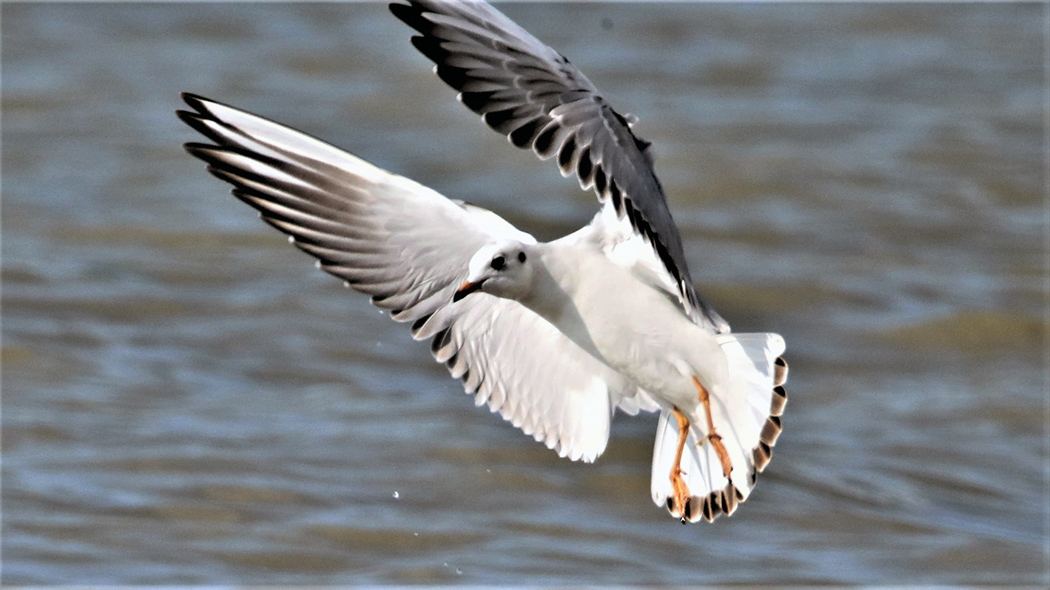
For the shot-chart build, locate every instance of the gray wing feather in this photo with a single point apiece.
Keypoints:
(408, 247)
(532, 94)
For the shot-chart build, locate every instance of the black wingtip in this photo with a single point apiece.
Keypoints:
(202, 104)
(195, 101)
(410, 14)
(199, 123)
(396, 8)
(201, 151)
(190, 118)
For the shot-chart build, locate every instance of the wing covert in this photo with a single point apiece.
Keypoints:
(532, 94)
(408, 247)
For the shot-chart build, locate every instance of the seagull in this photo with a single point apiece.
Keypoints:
(554, 336)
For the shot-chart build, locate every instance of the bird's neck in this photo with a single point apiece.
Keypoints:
(551, 299)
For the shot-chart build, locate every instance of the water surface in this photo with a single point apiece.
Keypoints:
(187, 400)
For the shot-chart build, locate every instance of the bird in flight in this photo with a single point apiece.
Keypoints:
(555, 336)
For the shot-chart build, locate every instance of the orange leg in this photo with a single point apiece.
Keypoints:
(681, 491)
(714, 437)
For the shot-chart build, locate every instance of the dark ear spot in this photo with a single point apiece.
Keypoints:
(521, 257)
(498, 262)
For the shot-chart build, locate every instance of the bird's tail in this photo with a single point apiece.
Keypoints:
(746, 416)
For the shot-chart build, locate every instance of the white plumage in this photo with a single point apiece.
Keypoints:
(553, 336)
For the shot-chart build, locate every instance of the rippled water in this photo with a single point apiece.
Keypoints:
(187, 400)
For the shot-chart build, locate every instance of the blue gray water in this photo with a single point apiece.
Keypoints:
(186, 399)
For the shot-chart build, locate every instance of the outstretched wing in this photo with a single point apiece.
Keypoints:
(408, 247)
(532, 94)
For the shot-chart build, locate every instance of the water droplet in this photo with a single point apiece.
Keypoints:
(396, 495)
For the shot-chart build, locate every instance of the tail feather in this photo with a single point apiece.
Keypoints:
(747, 415)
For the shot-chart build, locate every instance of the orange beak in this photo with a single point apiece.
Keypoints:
(466, 289)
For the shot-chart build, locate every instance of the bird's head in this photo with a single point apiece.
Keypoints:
(503, 269)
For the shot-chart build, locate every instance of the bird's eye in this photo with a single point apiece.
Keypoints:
(521, 257)
(498, 262)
